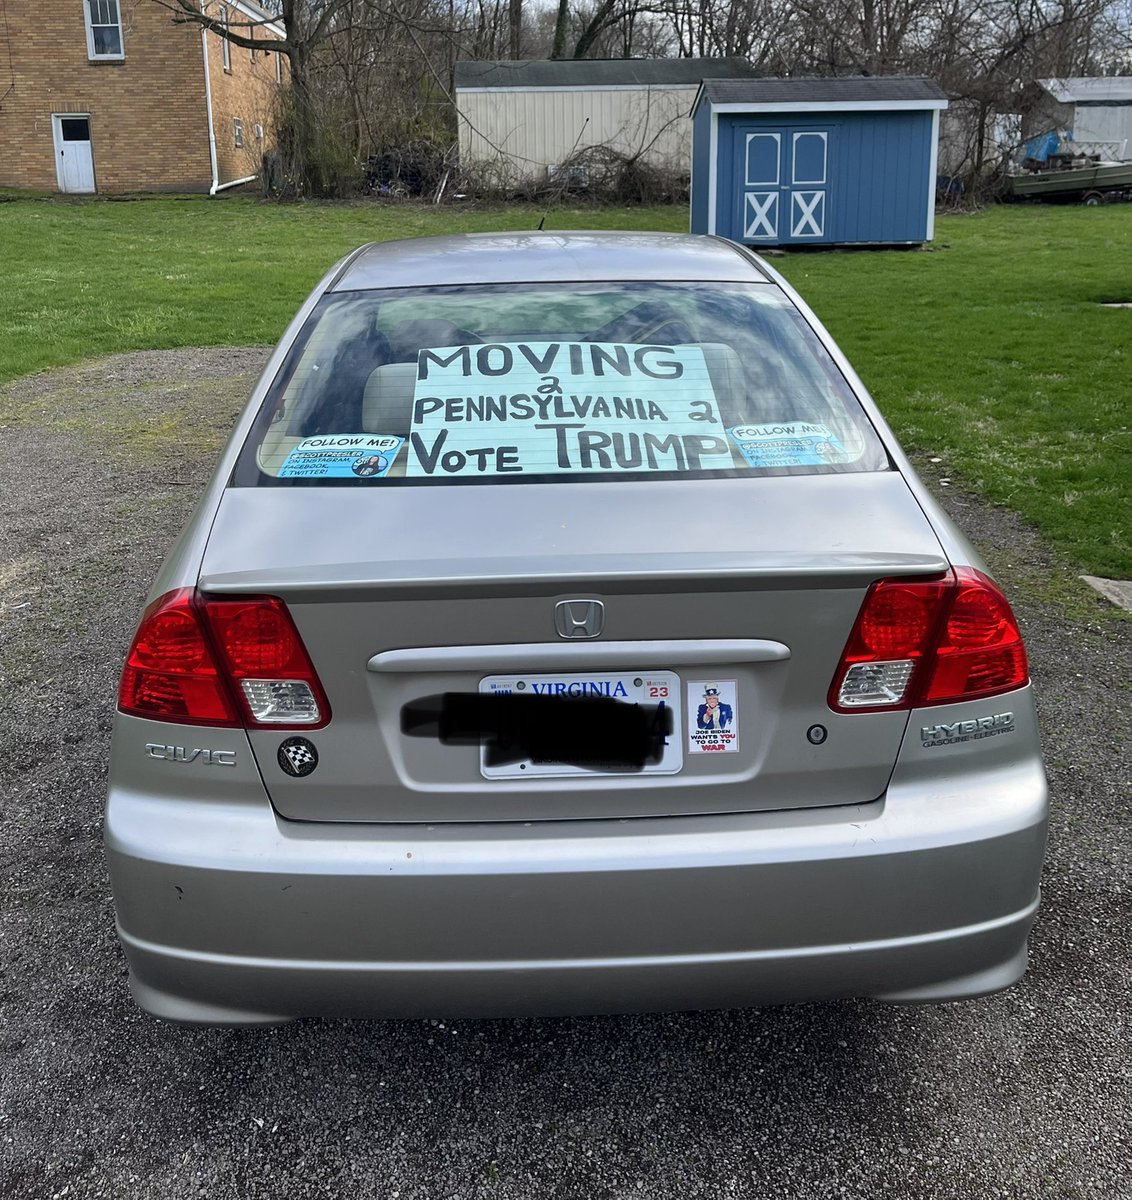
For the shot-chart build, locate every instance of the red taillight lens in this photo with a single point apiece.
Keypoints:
(897, 620)
(980, 651)
(171, 640)
(934, 642)
(170, 672)
(207, 662)
(255, 636)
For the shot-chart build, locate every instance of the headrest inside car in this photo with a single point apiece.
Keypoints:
(387, 406)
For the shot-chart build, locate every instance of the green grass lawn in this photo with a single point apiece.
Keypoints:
(990, 352)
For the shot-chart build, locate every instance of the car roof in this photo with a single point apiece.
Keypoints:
(536, 257)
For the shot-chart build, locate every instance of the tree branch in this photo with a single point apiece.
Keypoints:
(185, 12)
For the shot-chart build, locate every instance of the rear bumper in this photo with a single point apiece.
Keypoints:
(220, 990)
(230, 915)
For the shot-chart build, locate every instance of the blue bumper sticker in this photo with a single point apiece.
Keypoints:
(789, 444)
(342, 456)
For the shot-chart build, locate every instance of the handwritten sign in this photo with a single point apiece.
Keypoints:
(544, 408)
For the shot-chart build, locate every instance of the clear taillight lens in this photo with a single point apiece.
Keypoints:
(281, 701)
(930, 642)
(869, 684)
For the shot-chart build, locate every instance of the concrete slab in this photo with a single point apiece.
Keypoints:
(1119, 591)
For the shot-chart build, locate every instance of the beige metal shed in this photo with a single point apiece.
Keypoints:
(524, 119)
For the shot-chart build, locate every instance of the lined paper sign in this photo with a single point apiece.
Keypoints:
(544, 408)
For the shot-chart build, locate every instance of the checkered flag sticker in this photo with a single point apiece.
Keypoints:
(298, 757)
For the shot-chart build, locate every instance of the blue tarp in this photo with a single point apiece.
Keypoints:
(1043, 146)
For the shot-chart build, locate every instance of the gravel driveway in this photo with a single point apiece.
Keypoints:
(1024, 1094)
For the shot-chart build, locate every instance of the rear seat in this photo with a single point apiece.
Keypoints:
(387, 405)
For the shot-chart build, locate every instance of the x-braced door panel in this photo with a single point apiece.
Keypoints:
(807, 214)
(761, 219)
(785, 177)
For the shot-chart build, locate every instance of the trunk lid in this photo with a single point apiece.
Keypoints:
(745, 588)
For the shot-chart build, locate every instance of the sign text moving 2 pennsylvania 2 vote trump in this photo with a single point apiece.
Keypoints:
(545, 408)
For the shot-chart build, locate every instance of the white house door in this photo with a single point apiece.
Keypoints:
(74, 155)
(783, 184)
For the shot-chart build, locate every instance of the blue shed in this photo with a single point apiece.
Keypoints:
(778, 162)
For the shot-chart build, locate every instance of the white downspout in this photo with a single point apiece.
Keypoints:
(208, 105)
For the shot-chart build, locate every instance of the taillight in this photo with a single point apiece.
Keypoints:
(979, 651)
(208, 662)
(171, 672)
(267, 662)
(929, 642)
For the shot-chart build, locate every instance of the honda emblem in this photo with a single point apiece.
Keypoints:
(579, 618)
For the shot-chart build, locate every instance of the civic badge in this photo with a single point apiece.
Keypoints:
(579, 618)
(298, 757)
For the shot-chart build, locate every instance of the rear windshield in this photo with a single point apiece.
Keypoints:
(541, 382)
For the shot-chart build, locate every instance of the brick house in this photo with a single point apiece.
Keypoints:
(111, 96)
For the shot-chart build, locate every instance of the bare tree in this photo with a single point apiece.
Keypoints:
(376, 76)
(515, 27)
(306, 22)
(561, 29)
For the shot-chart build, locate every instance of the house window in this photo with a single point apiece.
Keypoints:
(278, 68)
(225, 45)
(238, 132)
(103, 29)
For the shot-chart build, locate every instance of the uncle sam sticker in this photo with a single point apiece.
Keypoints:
(713, 716)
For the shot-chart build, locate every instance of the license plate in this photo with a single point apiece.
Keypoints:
(564, 724)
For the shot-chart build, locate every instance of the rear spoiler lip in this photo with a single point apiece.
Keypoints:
(590, 573)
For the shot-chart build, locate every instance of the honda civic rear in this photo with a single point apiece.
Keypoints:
(564, 631)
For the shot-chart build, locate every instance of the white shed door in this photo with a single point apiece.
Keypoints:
(74, 155)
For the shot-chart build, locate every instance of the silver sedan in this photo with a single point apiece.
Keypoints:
(563, 630)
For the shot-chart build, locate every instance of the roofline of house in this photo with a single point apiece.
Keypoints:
(274, 26)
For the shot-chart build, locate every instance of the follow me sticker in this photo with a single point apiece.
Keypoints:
(342, 456)
(789, 444)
